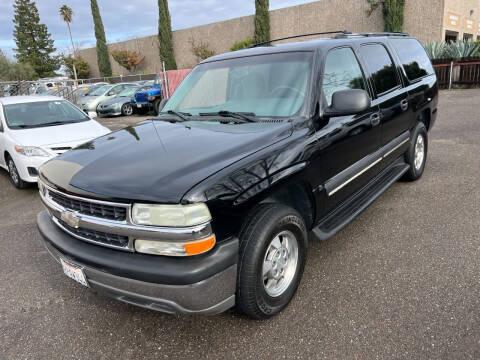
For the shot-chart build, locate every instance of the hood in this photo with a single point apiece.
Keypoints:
(157, 161)
(120, 99)
(59, 134)
(86, 99)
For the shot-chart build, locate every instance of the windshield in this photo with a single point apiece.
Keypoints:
(129, 92)
(265, 85)
(42, 113)
(100, 91)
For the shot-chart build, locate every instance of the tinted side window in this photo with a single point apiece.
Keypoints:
(118, 89)
(342, 72)
(381, 67)
(413, 57)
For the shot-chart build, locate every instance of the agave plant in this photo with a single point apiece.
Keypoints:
(436, 50)
(462, 48)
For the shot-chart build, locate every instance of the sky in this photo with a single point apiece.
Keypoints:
(126, 19)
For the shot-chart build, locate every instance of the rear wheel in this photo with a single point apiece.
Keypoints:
(127, 109)
(14, 175)
(416, 156)
(273, 247)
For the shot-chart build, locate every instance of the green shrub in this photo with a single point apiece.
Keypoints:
(456, 50)
(127, 59)
(462, 48)
(242, 44)
(82, 67)
(201, 49)
(436, 50)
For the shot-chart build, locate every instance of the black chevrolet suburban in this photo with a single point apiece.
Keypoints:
(209, 205)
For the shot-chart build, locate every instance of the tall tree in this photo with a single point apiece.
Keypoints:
(66, 13)
(165, 35)
(393, 14)
(34, 45)
(102, 50)
(262, 21)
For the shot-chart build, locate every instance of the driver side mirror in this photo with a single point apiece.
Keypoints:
(110, 93)
(348, 102)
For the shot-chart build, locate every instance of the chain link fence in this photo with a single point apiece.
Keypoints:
(64, 88)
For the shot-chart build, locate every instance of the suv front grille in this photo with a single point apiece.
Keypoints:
(97, 236)
(109, 212)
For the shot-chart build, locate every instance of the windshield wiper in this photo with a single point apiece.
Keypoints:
(245, 116)
(179, 114)
(53, 123)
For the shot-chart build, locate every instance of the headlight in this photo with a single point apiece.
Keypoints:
(175, 248)
(30, 151)
(171, 215)
(91, 103)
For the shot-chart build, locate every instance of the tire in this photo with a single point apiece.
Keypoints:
(14, 175)
(260, 295)
(415, 157)
(127, 109)
(156, 106)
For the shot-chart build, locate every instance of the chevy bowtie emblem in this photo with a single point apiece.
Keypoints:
(70, 219)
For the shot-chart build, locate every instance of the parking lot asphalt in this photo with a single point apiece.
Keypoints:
(400, 282)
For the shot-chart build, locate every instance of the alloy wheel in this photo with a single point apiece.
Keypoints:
(12, 169)
(419, 152)
(280, 263)
(127, 109)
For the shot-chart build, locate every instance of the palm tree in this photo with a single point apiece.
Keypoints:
(66, 14)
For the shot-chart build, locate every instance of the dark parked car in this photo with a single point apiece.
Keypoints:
(208, 205)
(121, 104)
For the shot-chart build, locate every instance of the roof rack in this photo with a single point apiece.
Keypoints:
(371, 34)
(343, 32)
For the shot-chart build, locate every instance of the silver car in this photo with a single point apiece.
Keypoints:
(91, 101)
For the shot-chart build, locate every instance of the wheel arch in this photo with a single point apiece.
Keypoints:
(425, 117)
(295, 194)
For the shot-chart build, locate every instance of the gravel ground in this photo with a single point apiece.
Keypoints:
(401, 281)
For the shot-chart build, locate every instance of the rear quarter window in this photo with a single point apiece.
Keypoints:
(413, 57)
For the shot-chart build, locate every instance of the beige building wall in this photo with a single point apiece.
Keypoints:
(423, 19)
(322, 15)
(462, 17)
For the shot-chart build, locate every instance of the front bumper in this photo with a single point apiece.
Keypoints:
(24, 162)
(142, 105)
(202, 284)
(108, 112)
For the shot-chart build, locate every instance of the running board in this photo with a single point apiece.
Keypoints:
(348, 210)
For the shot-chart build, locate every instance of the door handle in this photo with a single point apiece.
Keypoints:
(404, 104)
(375, 119)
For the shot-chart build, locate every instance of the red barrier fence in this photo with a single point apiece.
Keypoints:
(175, 77)
(464, 71)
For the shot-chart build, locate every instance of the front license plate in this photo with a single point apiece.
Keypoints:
(139, 105)
(74, 272)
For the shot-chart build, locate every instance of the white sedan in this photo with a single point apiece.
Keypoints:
(34, 129)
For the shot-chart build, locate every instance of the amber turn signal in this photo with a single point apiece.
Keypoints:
(201, 246)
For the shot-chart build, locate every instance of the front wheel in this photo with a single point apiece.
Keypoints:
(14, 175)
(416, 156)
(127, 109)
(273, 248)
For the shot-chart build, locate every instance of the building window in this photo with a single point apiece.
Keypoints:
(451, 36)
(467, 37)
